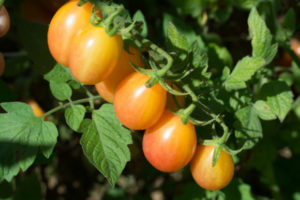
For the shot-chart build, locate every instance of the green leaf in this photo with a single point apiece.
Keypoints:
(138, 16)
(261, 38)
(264, 110)
(238, 190)
(105, 141)
(61, 91)
(59, 74)
(248, 127)
(278, 96)
(74, 116)
(176, 39)
(219, 56)
(246, 4)
(243, 72)
(289, 23)
(22, 135)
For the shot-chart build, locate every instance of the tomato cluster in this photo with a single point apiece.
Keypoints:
(4, 27)
(96, 58)
(74, 43)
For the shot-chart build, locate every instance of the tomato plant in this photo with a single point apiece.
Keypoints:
(67, 22)
(169, 145)
(137, 106)
(208, 176)
(107, 88)
(90, 64)
(4, 21)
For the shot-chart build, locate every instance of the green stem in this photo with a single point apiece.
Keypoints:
(287, 47)
(190, 92)
(90, 95)
(69, 104)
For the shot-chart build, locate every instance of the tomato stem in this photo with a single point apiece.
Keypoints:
(60, 107)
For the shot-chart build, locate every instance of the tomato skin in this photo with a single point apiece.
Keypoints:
(137, 106)
(94, 55)
(2, 64)
(207, 176)
(295, 44)
(37, 110)
(107, 88)
(169, 145)
(4, 21)
(67, 22)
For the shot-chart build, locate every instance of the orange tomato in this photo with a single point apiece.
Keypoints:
(4, 21)
(137, 106)
(180, 100)
(37, 110)
(107, 88)
(169, 145)
(67, 22)
(2, 64)
(94, 55)
(207, 176)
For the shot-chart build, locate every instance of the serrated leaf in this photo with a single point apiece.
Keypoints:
(59, 74)
(289, 23)
(61, 91)
(138, 16)
(74, 116)
(219, 56)
(264, 110)
(176, 39)
(261, 38)
(278, 96)
(22, 135)
(105, 142)
(243, 72)
(248, 127)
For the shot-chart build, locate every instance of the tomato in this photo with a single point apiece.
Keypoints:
(107, 88)
(94, 55)
(137, 106)
(2, 64)
(37, 110)
(207, 176)
(295, 44)
(67, 22)
(4, 21)
(169, 145)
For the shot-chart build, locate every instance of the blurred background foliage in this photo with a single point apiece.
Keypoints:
(268, 171)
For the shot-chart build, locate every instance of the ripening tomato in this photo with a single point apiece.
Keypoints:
(107, 88)
(207, 176)
(295, 44)
(284, 58)
(169, 145)
(137, 106)
(4, 21)
(94, 55)
(67, 22)
(37, 110)
(2, 64)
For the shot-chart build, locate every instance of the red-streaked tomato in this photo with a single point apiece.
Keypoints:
(169, 145)
(67, 22)
(37, 110)
(207, 176)
(4, 21)
(107, 88)
(2, 64)
(94, 55)
(137, 106)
